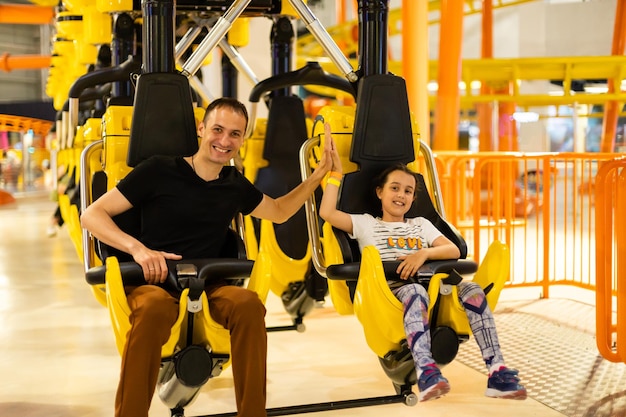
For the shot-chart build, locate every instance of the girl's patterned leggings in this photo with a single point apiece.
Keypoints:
(415, 300)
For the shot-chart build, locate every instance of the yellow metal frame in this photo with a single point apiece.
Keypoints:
(381, 313)
(284, 269)
(205, 328)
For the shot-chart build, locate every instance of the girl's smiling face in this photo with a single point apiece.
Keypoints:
(396, 195)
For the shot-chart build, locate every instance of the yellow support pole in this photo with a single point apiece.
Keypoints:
(448, 104)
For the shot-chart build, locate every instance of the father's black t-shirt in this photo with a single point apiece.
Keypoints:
(180, 212)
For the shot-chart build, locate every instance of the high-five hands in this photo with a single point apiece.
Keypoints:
(329, 145)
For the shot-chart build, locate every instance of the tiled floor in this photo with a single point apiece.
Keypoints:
(59, 358)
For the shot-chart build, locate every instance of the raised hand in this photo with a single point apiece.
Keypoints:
(332, 148)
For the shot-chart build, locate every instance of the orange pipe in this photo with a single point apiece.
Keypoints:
(26, 14)
(9, 63)
(612, 108)
(484, 112)
(507, 128)
(340, 10)
(605, 202)
(620, 267)
(487, 30)
(448, 102)
(6, 197)
(415, 62)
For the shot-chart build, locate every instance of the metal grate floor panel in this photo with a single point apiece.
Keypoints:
(552, 344)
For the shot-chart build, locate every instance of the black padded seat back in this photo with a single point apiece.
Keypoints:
(286, 132)
(349, 247)
(128, 221)
(382, 126)
(233, 246)
(163, 121)
(383, 137)
(423, 207)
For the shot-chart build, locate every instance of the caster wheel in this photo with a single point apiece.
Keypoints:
(410, 399)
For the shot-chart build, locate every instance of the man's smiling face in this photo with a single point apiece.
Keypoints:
(222, 135)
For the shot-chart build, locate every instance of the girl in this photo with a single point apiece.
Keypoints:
(395, 188)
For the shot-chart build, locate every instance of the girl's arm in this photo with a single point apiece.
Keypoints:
(442, 248)
(328, 206)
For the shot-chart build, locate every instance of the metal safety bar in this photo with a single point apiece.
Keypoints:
(184, 44)
(237, 60)
(217, 32)
(225, 22)
(312, 221)
(326, 41)
(85, 197)
(187, 40)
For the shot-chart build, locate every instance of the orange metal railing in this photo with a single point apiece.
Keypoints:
(563, 216)
(610, 216)
(540, 204)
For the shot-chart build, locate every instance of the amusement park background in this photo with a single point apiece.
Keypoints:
(521, 102)
(537, 34)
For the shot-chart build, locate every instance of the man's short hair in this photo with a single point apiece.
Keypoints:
(228, 102)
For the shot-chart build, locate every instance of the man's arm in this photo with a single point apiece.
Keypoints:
(279, 210)
(98, 219)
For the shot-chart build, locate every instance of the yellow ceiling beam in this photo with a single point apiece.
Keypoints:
(498, 73)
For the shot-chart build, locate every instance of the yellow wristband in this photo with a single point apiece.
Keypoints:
(333, 181)
(335, 174)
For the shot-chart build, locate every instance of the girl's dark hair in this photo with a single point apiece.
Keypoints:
(228, 102)
(381, 179)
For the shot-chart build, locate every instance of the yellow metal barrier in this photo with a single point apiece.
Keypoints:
(610, 196)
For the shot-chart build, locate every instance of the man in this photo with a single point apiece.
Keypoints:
(186, 206)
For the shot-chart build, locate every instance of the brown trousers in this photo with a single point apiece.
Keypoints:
(154, 311)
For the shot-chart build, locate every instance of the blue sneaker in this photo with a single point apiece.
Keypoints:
(504, 383)
(432, 384)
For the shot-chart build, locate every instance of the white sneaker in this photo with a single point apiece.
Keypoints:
(51, 231)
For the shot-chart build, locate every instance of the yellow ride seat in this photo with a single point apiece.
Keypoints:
(195, 335)
(270, 160)
(379, 135)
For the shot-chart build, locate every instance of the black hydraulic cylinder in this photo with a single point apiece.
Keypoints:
(229, 78)
(123, 46)
(281, 41)
(158, 36)
(373, 25)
